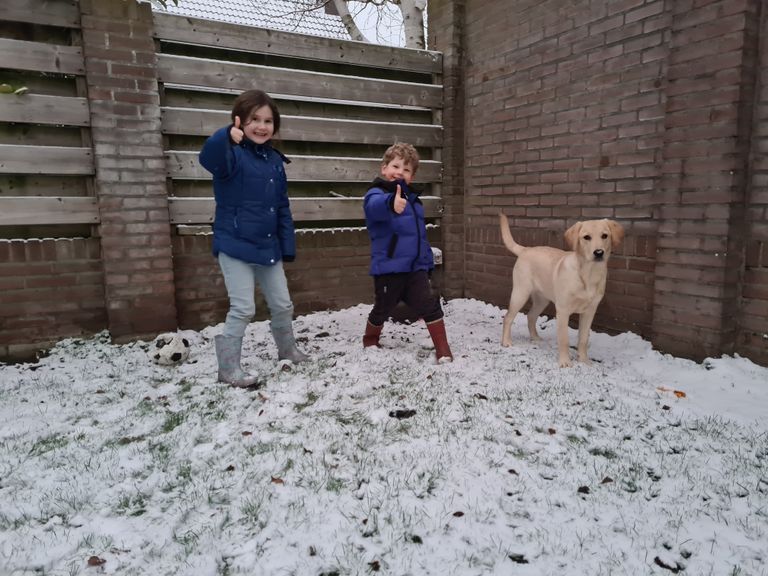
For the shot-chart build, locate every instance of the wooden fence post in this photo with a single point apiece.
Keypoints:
(121, 77)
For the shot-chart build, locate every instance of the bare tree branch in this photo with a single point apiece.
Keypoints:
(349, 23)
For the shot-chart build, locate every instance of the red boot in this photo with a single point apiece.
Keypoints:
(371, 336)
(442, 350)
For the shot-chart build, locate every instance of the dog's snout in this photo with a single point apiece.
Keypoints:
(599, 253)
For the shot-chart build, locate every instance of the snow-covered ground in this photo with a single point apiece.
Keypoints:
(639, 464)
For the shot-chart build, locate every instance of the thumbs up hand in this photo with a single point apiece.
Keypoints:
(400, 201)
(235, 133)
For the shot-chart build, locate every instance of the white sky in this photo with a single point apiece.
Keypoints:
(510, 465)
(382, 25)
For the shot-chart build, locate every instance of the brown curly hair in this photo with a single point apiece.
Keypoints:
(402, 150)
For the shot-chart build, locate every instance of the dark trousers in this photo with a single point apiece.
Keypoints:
(410, 287)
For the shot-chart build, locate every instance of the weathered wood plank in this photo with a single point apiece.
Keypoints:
(59, 13)
(198, 122)
(31, 210)
(40, 109)
(45, 160)
(223, 35)
(190, 71)
(40, 57)
(184, 165)
(201, 210)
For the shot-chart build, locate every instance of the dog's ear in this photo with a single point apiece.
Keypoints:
(572, 235)
(617, 233)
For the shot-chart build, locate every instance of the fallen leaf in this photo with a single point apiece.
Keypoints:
(679, 393)
(96, 561)
(277, 480)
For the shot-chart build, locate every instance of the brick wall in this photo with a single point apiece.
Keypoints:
(565, 108)
(652, 112)
(51, 289)
(752, 340)
(330, 273)
(636, 110)
(446, 29)
(707, 128)
(124, 102)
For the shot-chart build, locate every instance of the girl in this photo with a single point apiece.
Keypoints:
(253, 230)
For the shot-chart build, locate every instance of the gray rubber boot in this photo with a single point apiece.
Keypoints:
(286, 345)
(228, 349)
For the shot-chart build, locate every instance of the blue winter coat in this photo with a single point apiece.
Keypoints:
(398, 241)
(253, 215)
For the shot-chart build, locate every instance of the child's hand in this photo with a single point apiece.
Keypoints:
(400, 202)
(235, 134)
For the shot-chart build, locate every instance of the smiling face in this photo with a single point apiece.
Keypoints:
(260, 125)
(397, 169)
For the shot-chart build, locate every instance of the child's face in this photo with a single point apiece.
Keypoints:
(259, 126)
(397, 169)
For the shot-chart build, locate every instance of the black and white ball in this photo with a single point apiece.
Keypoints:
(169, 350)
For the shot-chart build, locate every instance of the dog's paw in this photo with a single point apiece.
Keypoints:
(565, 362)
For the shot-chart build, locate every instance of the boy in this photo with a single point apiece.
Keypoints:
(401, 256)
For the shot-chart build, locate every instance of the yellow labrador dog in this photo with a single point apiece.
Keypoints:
(574, 281)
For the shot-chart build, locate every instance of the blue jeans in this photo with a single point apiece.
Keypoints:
(240, 278)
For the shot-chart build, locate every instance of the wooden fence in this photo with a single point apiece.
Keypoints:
(346, 101)
(342, 103)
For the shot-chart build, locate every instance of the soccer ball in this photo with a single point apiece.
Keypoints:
(169, 350)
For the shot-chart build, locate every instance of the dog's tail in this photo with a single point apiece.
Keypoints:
(506, 236)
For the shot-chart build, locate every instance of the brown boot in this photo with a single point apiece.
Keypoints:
(372, 333)
(437, 332)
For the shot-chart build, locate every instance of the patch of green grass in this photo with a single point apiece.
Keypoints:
(161, 453)
(173, 420)
(573, 439)
(312, 397)
(132, 505)
(334, 484)
(145, 407)
(604, 452)
(11, 524)
(47, 444)
(254, 510)
(188, 540)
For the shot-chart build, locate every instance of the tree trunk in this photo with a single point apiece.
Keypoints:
(413, 22)
(348, 21)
